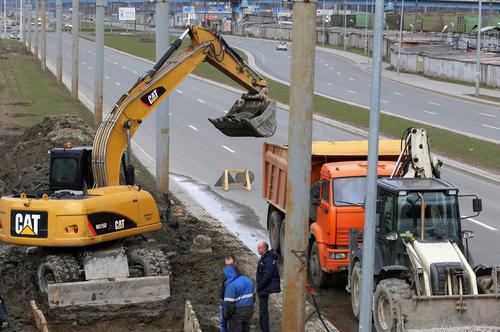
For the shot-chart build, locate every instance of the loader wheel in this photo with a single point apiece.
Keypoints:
(385, 311)
(53, 270)
(356, 288)
(275, 221)
(318, 277)
(148, 263)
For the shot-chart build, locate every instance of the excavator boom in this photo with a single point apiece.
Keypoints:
(253, 115)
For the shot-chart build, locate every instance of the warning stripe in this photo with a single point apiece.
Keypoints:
(91, 228)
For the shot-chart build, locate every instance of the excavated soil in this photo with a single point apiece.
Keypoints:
(195, 276)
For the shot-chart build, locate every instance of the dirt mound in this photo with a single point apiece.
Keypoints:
(25, 165)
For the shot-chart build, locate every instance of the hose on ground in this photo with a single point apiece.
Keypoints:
(310, 291)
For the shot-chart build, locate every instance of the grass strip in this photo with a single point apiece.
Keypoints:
(459, 147)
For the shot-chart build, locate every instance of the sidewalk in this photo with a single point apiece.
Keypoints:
(419, 81)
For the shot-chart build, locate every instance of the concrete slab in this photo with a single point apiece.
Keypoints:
(103, 292)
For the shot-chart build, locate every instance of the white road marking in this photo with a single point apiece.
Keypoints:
(263, 61)
(135, 72)
(331, 68)
(328, 83)
(107, 59)
(115, 63)
(383, 101)
(481, 224)
(491, 127)
(124, 67)
(93, 53)
(228, 149)
(433, 103)
(429, 112)
(398, 93)
(339, 73)
(350, 91)
(201, 101)
(117, 83)
(180, 91)
(106, 77)
(350, 78)
(83, 63)
(193, 127)
(488, 114)
(90, 67)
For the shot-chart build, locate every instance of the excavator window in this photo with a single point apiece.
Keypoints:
(64, 171)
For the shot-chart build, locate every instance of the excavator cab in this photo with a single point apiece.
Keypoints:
(70, 168)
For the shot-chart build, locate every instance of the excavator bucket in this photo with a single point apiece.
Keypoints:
(253, 115)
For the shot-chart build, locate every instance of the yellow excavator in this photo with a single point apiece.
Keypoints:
(89, 206)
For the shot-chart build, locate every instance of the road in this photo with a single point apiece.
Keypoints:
(341, 78)
(199, 152)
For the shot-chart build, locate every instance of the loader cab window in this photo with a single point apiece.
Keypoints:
(440, 216)
(386, 215)
(349, 191)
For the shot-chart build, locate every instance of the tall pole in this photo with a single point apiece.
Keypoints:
(59, 40)
(30, 20)
(43, 46)
(299, 164)
(162, 20)
(345, 24)
(75, 22)
(478, 50)
(37, 15)
(400, 32)
(99, 61)
(5, 18)
(365, 316)
(323, 19)
(366, 27)
(21, 21)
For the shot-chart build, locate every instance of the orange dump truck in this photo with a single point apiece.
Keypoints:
(338, 187)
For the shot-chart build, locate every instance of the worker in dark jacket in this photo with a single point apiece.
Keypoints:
(268, 281)
(238, 303)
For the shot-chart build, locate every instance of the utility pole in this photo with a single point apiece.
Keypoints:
(21, 21)
(365, 316)
(299, 164)
(400, 33)
(99, 61)
(43, 47)
(345, 24)
(162, 20)
(75, 22)
(366, 27)
(59, 40)
(478, 50)
(323, 19)
(5, 18)
(37, 15)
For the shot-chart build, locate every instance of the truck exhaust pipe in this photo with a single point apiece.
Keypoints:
(251, 116)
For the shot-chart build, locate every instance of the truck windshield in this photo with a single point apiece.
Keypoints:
(440, 216)
(349, 191)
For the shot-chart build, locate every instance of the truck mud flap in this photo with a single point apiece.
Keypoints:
(252, 116)
(468, 311)
(120, 291)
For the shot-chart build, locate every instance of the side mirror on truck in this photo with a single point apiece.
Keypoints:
(477, 205)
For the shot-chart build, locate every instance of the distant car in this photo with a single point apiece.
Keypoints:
(14, 35)
(281, 46)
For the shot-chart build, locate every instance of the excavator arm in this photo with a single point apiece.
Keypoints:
(254, 115)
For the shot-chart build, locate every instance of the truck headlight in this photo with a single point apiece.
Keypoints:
(337, 255)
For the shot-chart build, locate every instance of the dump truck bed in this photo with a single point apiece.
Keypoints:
(275, 163)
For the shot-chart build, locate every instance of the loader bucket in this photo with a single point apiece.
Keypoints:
(478, 312)
(252, 116)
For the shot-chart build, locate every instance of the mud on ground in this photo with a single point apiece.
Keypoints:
(24, 166)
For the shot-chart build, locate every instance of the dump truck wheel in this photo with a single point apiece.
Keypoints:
(275, 221)
(387, 295)
(148, 263)
(356, 288)
(318, 277)
(53, 270)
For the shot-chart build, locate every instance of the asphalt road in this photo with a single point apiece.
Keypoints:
(341, 78)
(199, 152)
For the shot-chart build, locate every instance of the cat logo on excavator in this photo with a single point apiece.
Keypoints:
(153, 95)
(29, 224)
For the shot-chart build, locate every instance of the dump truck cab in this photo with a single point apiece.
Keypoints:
(337, 205)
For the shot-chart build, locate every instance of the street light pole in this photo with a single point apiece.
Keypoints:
(43, 47)
(99, 61)
(400, 33)
(478, 49)
(323, 19)
(366, 27)
(59, 40)
(345, 24)
(75, 29)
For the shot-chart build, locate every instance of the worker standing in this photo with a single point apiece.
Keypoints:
(237, 308)
(268, 281)
(3, 314)
(229, 260)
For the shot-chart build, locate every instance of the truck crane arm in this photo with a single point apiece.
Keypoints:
(254, 115)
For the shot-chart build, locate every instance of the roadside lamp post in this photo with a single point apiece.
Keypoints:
(345, 25)
(400, 33)
(478, 49)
